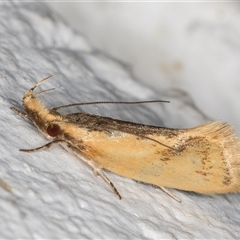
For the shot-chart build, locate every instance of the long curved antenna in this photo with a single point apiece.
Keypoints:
(108, 102)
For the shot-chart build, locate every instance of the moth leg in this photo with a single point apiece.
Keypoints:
(98, 171)
(170, 194)
(96, 168)
(46, 146)
(22, 114)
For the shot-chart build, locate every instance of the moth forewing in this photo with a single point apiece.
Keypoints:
(196, 162)
(204, 159)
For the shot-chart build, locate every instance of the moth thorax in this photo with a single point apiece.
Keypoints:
(53, 130)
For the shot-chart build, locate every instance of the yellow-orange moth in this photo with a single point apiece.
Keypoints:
(204, 159)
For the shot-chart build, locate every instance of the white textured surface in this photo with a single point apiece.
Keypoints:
(54, 195)
(186, 45)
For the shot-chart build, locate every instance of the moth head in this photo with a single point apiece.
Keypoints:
(29, 95)
(42, 117)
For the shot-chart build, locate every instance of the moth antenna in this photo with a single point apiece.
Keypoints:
(109, 102)
(44, 91)
(39, 83)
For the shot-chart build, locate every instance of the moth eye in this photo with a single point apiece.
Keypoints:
(53, 130)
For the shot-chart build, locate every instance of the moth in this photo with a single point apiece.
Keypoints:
(204, 159)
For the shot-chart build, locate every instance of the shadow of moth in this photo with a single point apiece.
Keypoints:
(204, 159)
